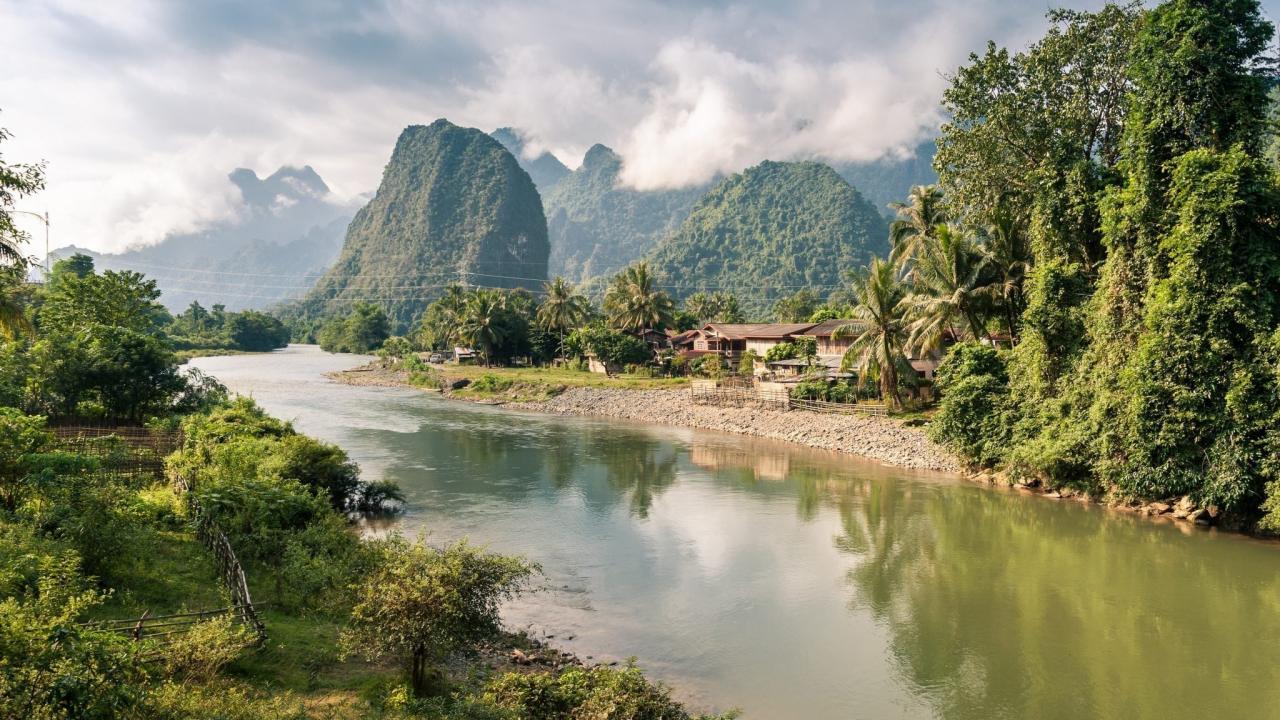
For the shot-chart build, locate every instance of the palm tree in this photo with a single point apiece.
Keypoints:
(879, 336)
(948, 287)
(918, 219)
(562, 309)
(13, 316)
(634, 303)
(438, 328)
(1008, 257)
(484, 322)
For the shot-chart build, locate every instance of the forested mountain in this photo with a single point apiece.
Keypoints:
(286, 232)
(597, 227)
(769, 231)
(453, 206)
(890, 179)
(545, 169)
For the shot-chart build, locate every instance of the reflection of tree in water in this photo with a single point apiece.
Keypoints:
(1001, 606)
(639, 466)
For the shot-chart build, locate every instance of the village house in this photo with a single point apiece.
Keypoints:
(734, 339)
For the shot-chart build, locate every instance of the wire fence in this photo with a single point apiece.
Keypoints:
(121, 450)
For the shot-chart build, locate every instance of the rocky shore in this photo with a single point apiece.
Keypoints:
(886, 440)
(882, 439)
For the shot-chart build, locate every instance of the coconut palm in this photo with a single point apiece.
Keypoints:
(438, 328)
(1008, 257)
(918, 219)
(880, 331)
(562, 309)
(948, 288)
(633, 302)
(13, 316)
(484, 322)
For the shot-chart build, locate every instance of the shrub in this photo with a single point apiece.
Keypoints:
(973, 418)
(198, 654)
(420, 604)
(490, 383)
(584, 693)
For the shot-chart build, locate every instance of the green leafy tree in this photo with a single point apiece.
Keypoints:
(17, 180)
(420, 604)
(255, 331)
(796, 307)
(485, 323)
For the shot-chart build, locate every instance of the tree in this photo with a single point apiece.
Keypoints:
(13, 311)
(1008, 256)
(363, 331)
(562, 308)
(22, 437)
(421, 604)
(795, 308)
(17, 180)
(948, 288)
(78, 265)
(123, 299)
(484, 323)
(880, 337)
(917, 221)
(438, 328)
(634, 303)
(715, 307)
(255, 331)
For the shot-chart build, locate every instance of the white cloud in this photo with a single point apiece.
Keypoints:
(142, 111)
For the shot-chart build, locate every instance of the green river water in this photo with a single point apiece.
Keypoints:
(794, 583)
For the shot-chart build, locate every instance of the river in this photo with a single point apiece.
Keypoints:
(795, 583)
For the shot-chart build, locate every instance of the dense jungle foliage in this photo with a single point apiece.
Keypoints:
(768, 231)
(1129, 146)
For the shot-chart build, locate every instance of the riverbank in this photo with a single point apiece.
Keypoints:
(883, 439)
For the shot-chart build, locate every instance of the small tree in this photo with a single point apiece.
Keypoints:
(747, 363)
(422, 603)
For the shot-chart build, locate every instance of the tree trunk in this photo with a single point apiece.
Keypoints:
(418, 673)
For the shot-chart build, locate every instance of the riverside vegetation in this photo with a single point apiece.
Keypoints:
(91, 532)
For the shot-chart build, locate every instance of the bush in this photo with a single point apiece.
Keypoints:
(973, 417)
(586, 693)
(198, 654)
(489, 383)
(422, 603)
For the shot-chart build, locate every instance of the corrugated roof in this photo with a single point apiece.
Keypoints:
(826, 327)
(761, 331)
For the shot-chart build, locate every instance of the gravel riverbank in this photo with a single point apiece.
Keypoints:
(882, 439)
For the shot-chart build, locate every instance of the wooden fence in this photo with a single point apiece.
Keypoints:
(165, 629)
(771, 395)
(229, 568)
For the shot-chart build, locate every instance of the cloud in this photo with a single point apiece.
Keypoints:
(142, 108)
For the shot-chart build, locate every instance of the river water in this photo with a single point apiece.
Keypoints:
(794, 583)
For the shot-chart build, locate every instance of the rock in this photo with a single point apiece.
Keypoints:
(1200, 517)
(1184, 506)
(1158, 508)
(519, 658)
(459, 384)
(1214, 511)
(1053, 494)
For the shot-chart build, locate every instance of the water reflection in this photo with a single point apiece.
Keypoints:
(795, 583)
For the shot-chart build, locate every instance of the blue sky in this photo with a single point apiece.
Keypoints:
(141, 107)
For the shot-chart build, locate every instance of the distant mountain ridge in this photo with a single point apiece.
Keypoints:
(287, 230)
(597, 227)
(454, 205)
(545, 169)
(769, 231)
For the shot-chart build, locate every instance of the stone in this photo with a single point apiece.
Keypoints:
(459, 384)
(1200, 517)
(1159, 508)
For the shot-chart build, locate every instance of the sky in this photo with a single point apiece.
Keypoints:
(140, 108)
